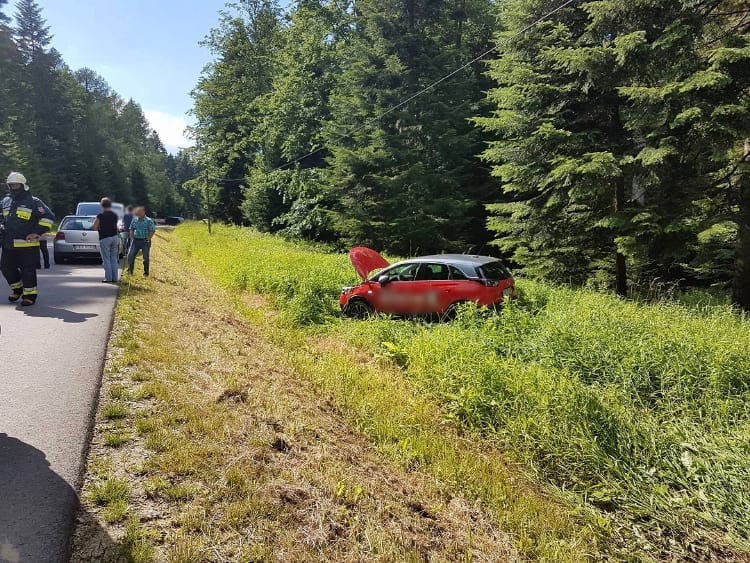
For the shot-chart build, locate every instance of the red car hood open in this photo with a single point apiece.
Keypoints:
(366, 260)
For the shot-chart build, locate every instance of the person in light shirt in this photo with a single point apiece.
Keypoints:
(142, 230)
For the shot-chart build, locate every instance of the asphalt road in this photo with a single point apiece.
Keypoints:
(51, 356)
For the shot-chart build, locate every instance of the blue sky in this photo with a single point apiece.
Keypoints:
(146, 50)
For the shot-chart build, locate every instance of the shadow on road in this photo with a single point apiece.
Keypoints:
(65, 315)
(37, 509)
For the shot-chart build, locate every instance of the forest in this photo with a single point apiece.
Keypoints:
(597, 143)
(603, 146)
(72, 136)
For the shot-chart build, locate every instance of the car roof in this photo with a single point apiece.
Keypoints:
(464, 259)
(79, 217)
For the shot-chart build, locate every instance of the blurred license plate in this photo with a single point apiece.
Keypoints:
(84, 246)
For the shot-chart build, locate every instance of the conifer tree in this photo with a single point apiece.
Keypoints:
(606, 153)
(406, 181)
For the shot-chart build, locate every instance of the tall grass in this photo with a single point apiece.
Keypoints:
(641, 410)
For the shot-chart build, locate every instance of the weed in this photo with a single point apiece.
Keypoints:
(146, 425)
(115, 511)
(138, 543)
(150, 390)
(118, 392)
(109, 491)
(116, 438)
(115, 410)
(186, 549)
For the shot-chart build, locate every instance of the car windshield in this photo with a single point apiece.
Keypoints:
(495, 271)
(77, 223)
(89, 209)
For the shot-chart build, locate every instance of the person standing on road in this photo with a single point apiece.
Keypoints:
(25, 219)
(142, 230)
(44, 248)
(44, 253)
(109, 241)
(126, 221)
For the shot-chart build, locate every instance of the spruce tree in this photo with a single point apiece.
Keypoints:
(32, 32)
(10, 77)
(604, 151)
(294, 116)
(403, 182)
(225, 100)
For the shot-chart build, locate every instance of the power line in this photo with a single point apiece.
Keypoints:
(421, 92)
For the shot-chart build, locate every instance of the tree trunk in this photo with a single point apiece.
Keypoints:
(621, 268)
(741, 289)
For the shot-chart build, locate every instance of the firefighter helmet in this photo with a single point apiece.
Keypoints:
(17, 178)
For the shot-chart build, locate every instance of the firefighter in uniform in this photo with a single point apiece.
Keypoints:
(25, 219)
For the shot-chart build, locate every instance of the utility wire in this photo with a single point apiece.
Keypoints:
(421, 92)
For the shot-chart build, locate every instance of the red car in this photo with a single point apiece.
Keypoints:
(427, 285)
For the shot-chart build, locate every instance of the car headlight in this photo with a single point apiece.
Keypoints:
(508, 292)
(346, 290)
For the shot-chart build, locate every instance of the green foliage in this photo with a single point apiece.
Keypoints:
(67, 131)
(226, 101)
(612, 130)
(299, 284)
(610, 123)
(642, 411)
(410, 181)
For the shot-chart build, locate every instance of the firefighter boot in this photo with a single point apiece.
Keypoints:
(29, 297)
(16, 291)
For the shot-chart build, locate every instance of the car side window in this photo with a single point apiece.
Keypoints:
(457, 274)
(433, 272)
(405, 272)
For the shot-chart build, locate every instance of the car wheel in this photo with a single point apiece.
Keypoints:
(358, 309)
(59, 259)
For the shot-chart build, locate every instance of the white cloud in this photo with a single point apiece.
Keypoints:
(171, 129)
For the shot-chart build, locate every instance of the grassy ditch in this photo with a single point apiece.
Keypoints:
(226, 433)
(640, 414)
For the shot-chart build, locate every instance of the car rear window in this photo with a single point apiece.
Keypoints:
(494, 271)
(77, 224)
(89, 209)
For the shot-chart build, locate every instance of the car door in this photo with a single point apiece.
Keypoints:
(400, 294)
(441, 286)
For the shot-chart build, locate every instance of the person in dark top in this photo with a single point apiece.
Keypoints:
(109, 241)
(44, 253)
(24, 220)
(126, 220)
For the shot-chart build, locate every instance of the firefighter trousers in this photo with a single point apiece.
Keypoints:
(19, 269)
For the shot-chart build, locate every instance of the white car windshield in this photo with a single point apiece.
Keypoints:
(89, 209)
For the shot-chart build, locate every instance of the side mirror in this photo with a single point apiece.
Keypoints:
(384, 279)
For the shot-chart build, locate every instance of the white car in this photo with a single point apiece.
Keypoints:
(94, 208)
(75, 239)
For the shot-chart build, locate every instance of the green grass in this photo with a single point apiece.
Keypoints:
(115, 410)
(109, 491)
(116, 438)
(638, 413)
(115, 512)
(137, 543)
